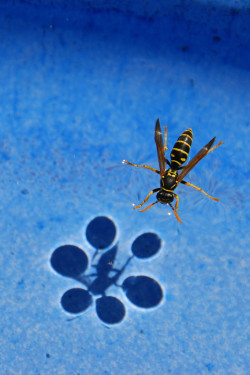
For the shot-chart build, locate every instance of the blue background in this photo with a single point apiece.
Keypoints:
(81, 87)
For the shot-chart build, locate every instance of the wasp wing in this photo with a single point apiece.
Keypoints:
(200, 155)
(160, 148)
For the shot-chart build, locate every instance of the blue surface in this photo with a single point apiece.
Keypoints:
(81, 88)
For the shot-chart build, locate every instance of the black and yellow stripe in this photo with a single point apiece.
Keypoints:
(181, 149)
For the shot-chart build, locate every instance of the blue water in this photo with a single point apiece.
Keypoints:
(81, 88)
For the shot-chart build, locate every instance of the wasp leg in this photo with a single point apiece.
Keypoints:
(177, 201)
(141, 166)
(165, 144)
(215, 146)
(152, 204)
(176, 207)
(146, 199)
(199, 189)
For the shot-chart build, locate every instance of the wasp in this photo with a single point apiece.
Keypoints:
(171, 177)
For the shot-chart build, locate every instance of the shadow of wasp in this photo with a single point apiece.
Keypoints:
(102, 277)
(141, 290)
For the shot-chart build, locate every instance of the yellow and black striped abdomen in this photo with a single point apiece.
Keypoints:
(181, 149)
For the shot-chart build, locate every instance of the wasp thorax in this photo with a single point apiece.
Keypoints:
(165, 197)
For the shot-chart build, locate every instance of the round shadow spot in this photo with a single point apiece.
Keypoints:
(146, 245)
(69, 260)
(110, 310)
(142, 291)
(76, 300)
(101, 232)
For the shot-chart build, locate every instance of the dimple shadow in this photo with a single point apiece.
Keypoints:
(142, 291)
(101, 232)
(146, 245)
(69, 261)
(76, 300)
(110, 309)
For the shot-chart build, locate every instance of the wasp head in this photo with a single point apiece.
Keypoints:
(165, 197)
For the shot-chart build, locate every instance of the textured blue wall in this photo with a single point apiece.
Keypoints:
(81, 87)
